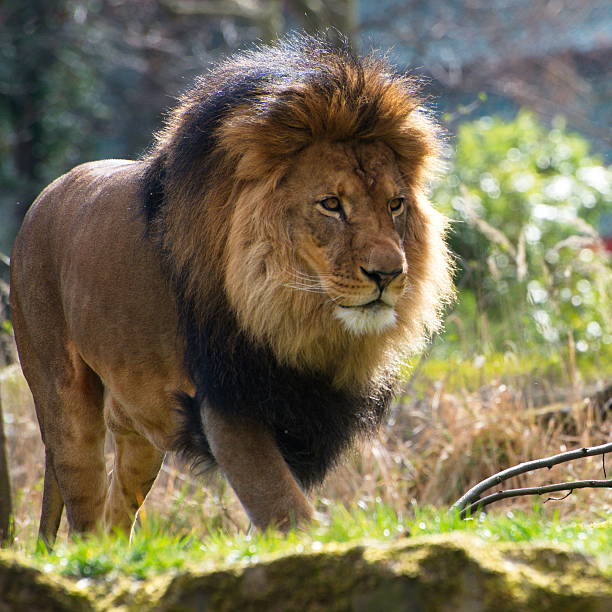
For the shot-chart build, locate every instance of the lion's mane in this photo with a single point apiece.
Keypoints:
(253, 348)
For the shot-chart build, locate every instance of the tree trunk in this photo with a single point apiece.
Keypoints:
(6, 508)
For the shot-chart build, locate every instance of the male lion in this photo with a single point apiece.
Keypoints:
(243, 295)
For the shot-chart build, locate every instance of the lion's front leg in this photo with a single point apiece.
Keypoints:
(250, 459)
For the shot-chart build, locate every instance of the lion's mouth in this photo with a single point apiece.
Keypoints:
(373, 304)
(383, 301)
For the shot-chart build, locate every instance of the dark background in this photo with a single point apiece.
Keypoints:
(89, 79)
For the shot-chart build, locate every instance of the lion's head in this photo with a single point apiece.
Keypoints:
(288, 186)
(347, 216)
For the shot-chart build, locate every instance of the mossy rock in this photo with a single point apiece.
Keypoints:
(456, 572)
(436, 573)
(25, 589)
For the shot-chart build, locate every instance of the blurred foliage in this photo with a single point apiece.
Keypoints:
(50, 101)
(534, 275)
(83, 80)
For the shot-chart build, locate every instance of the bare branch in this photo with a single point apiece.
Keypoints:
(221, 8)
(563, 486)
(474, 493)
(492, 233)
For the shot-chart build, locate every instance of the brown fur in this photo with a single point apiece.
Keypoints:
(101, 332)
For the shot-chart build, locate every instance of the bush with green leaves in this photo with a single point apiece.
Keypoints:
(526, 202)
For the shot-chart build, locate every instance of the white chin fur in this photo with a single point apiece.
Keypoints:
(366, 320)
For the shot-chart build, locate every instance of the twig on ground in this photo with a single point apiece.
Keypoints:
(471, 500)
(563, 486)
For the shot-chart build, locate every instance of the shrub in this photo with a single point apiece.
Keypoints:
(526, 201)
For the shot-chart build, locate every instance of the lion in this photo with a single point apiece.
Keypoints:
(243, 295)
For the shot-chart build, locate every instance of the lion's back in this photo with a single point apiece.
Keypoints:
(59, 223)
(62, 204)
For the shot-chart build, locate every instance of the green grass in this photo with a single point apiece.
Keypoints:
(154, 551)
(469, 375)
(449, 362)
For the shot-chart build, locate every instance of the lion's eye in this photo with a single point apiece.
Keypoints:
(396, 206)
(331, 204)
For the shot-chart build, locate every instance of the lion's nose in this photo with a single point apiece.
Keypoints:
(382, 278)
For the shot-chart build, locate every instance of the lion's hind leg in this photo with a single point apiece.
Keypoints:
(52, 505)
(70, 411)
(68, 396)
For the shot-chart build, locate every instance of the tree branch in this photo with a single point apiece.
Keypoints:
(473, 495)
(564, 486)
(220, 8)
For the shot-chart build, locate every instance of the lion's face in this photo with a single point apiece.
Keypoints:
(337, 261)
(347, 211)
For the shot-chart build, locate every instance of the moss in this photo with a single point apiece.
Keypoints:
(432, 573)
(24, 588)
(443, 573)
(322, 581)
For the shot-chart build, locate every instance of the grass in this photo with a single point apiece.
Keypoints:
(154, 550)
(457, 422)
(443, 435)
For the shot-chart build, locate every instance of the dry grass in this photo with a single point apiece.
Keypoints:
(436, 444)
(436, 447)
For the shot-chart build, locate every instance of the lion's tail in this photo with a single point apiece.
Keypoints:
(190, 442)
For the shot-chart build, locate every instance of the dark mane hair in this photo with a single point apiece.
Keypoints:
(244, 122)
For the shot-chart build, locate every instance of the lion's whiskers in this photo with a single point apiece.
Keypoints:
(304, 282)
(307, 288)
(303, 276)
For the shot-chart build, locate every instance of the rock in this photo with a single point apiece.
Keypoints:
(446, 573)
(25, 589)
(455, 573)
